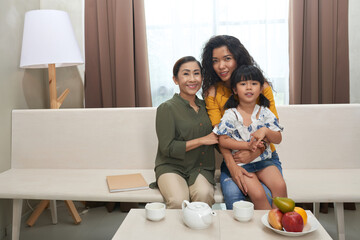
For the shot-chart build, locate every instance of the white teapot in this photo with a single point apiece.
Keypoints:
(197, 215)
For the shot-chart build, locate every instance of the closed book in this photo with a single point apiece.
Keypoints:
(126, 182)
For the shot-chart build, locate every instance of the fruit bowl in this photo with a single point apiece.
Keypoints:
(312, 225)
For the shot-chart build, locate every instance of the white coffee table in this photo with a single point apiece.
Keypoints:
(137, 227)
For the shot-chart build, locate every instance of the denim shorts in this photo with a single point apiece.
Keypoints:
(231, 191)
(257, 166)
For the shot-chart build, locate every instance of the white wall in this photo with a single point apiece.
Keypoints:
(28, 88)
(354, 50)
(12, 94)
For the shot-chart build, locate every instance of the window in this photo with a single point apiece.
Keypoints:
(179, 28)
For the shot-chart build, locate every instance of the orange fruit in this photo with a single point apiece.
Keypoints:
(302, 212)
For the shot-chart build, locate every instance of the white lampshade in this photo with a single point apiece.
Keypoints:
(49, 39)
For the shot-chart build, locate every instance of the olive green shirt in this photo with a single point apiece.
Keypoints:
(176, 123)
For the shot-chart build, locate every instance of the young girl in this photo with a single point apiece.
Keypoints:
(247, 125)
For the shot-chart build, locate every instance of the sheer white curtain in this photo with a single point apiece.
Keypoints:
(179, 28)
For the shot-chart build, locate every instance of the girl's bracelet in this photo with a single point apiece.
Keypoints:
(264, 143)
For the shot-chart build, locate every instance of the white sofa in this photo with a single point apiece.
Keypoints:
(66, 154)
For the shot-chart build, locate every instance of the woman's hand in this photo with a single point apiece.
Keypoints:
(246, 156)
(238, 175)
(242, 156)
(210, 139)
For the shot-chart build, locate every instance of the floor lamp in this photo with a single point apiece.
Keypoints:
(49, 42)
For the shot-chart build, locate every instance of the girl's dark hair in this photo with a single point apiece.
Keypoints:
(245, 73)
(183, 60)
(237, 49)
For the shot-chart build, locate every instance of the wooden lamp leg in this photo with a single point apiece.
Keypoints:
(44, 204)
(37, 212)
(75, 215)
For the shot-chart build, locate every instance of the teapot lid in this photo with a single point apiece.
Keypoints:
(198, 206)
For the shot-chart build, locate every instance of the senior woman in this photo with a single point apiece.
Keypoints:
(185, 161)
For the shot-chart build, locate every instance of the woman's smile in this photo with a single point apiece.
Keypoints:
(223, 74)
(192, 86)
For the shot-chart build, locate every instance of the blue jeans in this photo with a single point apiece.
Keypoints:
(232, 192)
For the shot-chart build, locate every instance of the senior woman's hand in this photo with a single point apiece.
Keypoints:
(210, 139)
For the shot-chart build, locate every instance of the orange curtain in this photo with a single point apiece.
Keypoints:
(116, 61)
(319, 51)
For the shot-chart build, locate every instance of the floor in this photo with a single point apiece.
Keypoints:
(99, 224)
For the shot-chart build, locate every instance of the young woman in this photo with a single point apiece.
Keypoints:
(247, 125)
(221, 56)
(185, 161)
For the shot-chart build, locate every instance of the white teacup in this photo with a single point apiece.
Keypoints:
(155, 211)
(243, 210)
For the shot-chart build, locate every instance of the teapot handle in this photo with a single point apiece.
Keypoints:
(184, 204)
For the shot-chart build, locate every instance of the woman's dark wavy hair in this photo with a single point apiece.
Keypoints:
(237, 49)
(245, 73)
(183, 60)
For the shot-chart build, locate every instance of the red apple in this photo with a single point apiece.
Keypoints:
(292, 222)
(274, 218)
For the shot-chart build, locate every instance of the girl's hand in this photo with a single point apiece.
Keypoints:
(253, 145)
(257, 136)
(210, 139)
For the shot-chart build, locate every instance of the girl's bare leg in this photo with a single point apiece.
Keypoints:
(272, 178)
(256, 193)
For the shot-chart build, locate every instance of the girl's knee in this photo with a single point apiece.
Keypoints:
(282, 185)
(258, 196)
(280, 190)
